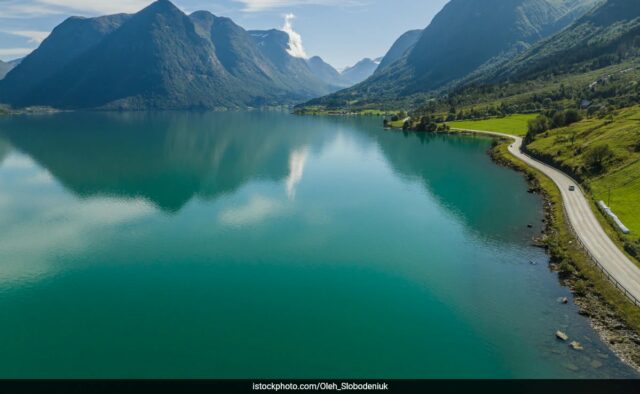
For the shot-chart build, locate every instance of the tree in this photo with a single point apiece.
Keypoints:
(558, 120)
(597, 157)
(571, 116)
(539, 125)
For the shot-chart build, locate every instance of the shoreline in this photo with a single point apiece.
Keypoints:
(595, 296)
(611, 313)
(614, 317)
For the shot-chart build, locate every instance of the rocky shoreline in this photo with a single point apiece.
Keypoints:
(611, 326)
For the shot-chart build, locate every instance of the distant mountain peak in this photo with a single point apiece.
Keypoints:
(162, 6)
(360, 71)
(163, 3)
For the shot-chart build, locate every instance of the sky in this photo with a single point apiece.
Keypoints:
(342, 32)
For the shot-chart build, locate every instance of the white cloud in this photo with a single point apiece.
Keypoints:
(258, 209)
(262, 5)
(99, 6)
(297, 162)
(41, 178)
(295, 40)
(26, 249)
(34, 8)
(34, 36)
(54, 225)
(17, 162)
(14, 52)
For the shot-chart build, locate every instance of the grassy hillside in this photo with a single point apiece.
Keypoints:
(464, 36)
(580, 148)
(604, 36)
(513, 124)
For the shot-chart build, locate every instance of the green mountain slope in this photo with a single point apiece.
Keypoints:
(399, 49)
(463, 37)
(65, 44)
(604, 36)
(593, 64)
(274, 44)
(155, 59)
(238, 53)
(615, 177)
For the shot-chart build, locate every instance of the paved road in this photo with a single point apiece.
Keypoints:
(585, 224)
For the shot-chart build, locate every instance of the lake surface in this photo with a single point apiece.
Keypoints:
(266, 245)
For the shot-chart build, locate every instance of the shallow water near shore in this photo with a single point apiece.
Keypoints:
(263, 245)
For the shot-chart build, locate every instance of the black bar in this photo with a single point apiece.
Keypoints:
(325, 386)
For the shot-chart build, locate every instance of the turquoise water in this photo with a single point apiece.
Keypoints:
(268, 245)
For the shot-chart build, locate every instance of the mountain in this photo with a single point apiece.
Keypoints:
(159, 58)
(274, 44)
(360, 71)
(274, 75)
(606, 35)
(326, 72)
(188, 155)
(348, 77)
(399, 49)
(66, 43)
(464, 36)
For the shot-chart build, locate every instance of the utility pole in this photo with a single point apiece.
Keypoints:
(609, 198)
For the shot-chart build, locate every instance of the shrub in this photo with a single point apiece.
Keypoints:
(565, 267)
(427, 124)
(580, 287)
(633, 248)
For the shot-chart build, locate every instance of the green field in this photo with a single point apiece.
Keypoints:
(321, 111)
(619, 181)
(514, 124)
(398, 124)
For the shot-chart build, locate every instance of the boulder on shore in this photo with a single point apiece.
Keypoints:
(575, 345)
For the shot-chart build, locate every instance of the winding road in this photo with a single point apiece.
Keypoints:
(611, 260)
